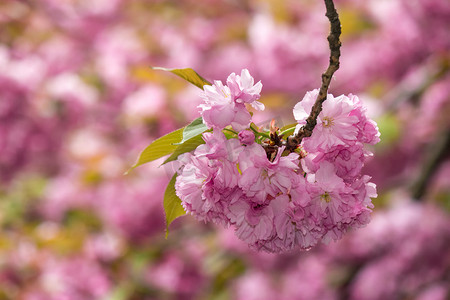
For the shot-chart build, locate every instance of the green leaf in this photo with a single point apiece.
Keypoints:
(287, 127)
(187, 146)
(187, 74)
(288, 130)
(172, 204)
(256, 131)
(159, 148)
(192, 137)
(195, 128)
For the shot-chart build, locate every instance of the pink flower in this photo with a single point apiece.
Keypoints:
(209, 177)
(219, 109)
(246, 137)
(261, 177)
(264, 226)
(348, 160)
(367, 129)
(195, 186)
(337, 206)
(365, 190)
(303, 108)
(253, 221)
(225, 105)
(335, 125)
(286, 232)
(326, 191)
(217, 147)
(243, 89)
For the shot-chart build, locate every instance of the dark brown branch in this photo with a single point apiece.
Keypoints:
(406, 91)
(335, 52)
(438, 153)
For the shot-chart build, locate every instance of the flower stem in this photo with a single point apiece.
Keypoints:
(231, 130)
(256, 132)
(335, 53)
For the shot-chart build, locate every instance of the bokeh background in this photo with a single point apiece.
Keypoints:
(78, 102)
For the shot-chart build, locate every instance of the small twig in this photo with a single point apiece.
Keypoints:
(335, 52)
(411, 90)
(258, 133)
(438, 154)
(230, 130)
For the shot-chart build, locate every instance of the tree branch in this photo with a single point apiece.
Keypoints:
(437, 154)
(335, 52)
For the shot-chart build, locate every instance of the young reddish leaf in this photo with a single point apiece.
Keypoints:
(187, 74)
(172, 204)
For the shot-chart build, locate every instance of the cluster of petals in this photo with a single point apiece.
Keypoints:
(294, 200)
(225, 104)
(342, 121)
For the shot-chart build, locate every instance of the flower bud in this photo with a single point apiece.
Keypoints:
(246, 137)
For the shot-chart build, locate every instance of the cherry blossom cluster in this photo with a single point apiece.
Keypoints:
(289, 200)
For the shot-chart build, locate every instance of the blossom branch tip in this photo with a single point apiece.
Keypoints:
(335, 53)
